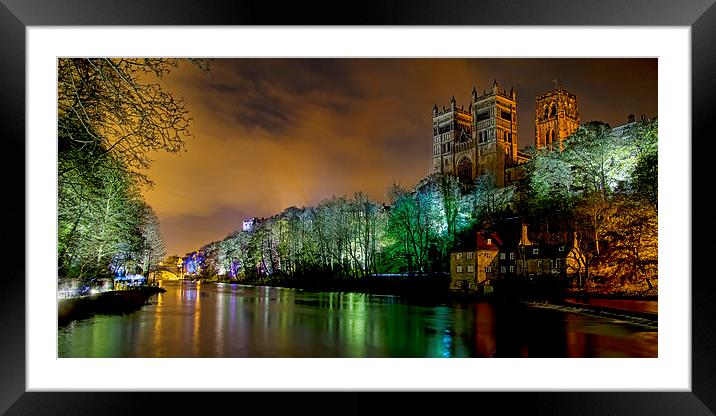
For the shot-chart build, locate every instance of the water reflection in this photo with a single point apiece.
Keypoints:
(229, 320)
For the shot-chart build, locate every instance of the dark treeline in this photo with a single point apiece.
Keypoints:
(599, 191)
(111, 114)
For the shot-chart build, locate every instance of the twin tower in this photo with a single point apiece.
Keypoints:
(482, 139)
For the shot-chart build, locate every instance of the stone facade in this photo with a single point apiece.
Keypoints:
(556, 117)
(452, 130)
(473, 268)
(483, 139)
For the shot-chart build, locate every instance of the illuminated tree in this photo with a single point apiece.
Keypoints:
(152, 249)
(111, 114)
(118, 106)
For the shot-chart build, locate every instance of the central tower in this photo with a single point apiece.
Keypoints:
(556, 117)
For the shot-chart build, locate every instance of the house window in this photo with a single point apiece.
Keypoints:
(488, 269)
(502, 256)
(558, 262)
(469, 254)
(561, 248)
(512, 269)
(535, 251)
(459, 269)
(471, 269)
(489, 241)
(503, 269)
(459, 256)
(512, 256)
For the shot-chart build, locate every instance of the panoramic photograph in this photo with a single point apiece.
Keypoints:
(357, 207)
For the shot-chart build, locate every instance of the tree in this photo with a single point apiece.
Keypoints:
(111, 114)
(646, 171)
(153, 248)
(600, 161)
(118, 106)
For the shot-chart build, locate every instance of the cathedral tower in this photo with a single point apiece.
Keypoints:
(556, 117)
(494, 116)
(482, 139)
(452, 129)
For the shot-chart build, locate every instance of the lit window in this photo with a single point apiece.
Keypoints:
(512, 256)
(489, 241)
(469, 254)
(488, 269)
(459, 269)
(459, 256)
(535, 251)
(512, 269)
(502, 256)
(561, 248)
(471, 269)
(503, 269)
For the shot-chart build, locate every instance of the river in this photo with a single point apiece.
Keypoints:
(230, 320)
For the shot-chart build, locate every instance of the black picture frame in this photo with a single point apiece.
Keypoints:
(16, 15)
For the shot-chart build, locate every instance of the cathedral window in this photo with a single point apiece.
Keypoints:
(464, 169)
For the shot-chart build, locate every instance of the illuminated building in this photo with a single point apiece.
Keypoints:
(556, 117)
(480, 140)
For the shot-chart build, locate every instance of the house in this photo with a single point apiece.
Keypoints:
(474, 266)
(489, 259)
(532, 260)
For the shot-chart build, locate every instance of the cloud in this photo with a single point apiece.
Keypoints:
(274, 133)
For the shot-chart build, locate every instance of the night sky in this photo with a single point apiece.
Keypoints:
(274, 133)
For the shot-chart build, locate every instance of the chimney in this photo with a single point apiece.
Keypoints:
(630, 118)
(525, 241)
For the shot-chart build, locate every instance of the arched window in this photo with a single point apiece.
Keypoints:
(551, 139)
(546, 111)
(464, 169)
(553, 110)
(546, 137)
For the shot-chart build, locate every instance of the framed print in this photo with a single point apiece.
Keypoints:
(341, 294)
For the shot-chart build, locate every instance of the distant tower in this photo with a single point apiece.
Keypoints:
(248, 224)
(495, 132)
(452, 129)
(556, 117)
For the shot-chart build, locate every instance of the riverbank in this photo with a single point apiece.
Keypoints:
(114, 302)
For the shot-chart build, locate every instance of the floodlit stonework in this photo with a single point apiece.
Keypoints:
(482, 139)
(556, 117)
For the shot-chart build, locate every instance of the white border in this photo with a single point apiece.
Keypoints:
(671, 371)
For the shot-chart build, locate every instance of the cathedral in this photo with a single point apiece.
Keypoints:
(481, 139)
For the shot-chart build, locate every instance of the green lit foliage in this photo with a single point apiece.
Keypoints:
(111, 114)
(99, 213)
(409, 231)
(646, 173)
(600, 160)
(601, 189)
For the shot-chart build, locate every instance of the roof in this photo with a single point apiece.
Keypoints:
(488, 241)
